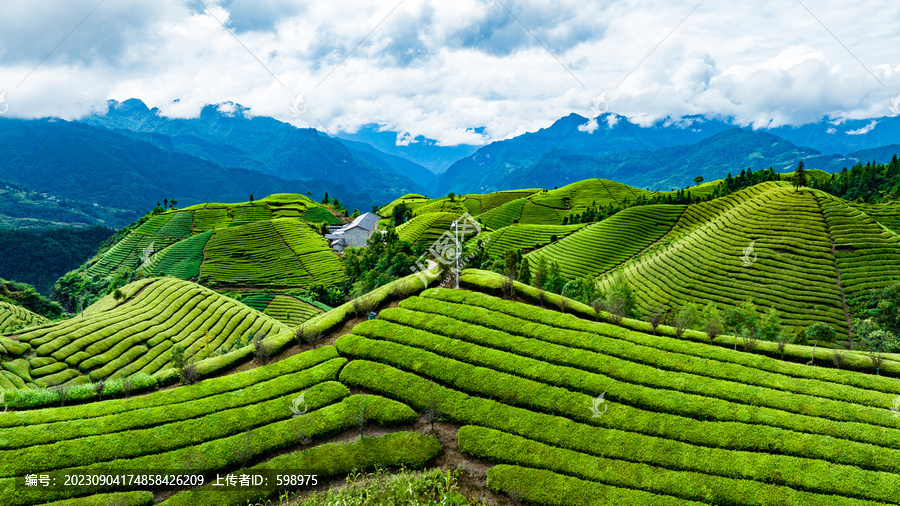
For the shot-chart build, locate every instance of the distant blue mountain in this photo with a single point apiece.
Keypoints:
(664, 155)
(844, 138)
(426, 152)
(77, 161)
(228, 136)
(502, 163)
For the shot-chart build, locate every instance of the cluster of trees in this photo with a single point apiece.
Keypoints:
(24, 295)
(385, 259)
(336, 204)
(872, 182)
(745, 179)
(401, 214)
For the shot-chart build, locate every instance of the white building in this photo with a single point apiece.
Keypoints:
(353, 234)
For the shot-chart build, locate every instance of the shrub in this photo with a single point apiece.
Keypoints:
(838, 358)
(507, 287)
(655, 318)
(189, 373)
(261, 350)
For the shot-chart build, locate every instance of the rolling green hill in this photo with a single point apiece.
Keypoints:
(13, 317)
(277, 253)
(601, 246)
(271, 243)
(135, 334)
(549, 207)
(524, 237)
(811, 252)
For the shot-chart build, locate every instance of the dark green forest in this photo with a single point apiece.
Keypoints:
(40, 257)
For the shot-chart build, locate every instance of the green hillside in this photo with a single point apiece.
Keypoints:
(810, 252)
(428, 227)
(136, 333)
(13, 317)
(288, 309)
(565, 408)
(280, 253)
(221, 424)
(275, 242)
(163, 230)
(549, 207)
(601, 246)
(559, 407)
(524, 237)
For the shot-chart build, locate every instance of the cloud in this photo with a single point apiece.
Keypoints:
(866, 129)
(459, 72)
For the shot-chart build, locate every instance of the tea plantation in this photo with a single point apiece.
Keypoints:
(133, 334)
(531, 397)
(801, 252)
(223, 244)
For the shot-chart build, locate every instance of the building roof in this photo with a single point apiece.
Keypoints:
(366, 221)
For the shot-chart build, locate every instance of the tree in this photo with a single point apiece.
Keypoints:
(655, 318)
(740, 316)
(401, 214)
(698, 180)
(712, 321)
(523, 274)
(325, 199)
(820, 332)
(799, 178)
(685, 318)
(619, 299)
(451, 196)
(540, 273)
(251, 198)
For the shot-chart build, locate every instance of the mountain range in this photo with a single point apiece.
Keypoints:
(131, 156)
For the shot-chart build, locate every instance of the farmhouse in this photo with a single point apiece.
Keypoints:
(355, 233)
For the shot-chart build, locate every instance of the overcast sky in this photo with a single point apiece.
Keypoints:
(444, 68)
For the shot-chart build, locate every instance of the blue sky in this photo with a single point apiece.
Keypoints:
(467, 71)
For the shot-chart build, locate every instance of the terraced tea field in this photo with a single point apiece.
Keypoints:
(428, 227)
(598, 247)
(288, 309)
(221, 424)
(175, 243)
(525, 237)
(549, 207)
(135, 334)
(559, 409)
(803, 243)
(578, 412)
(15, 317)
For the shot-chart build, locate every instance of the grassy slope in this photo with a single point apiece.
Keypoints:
(136, 334)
